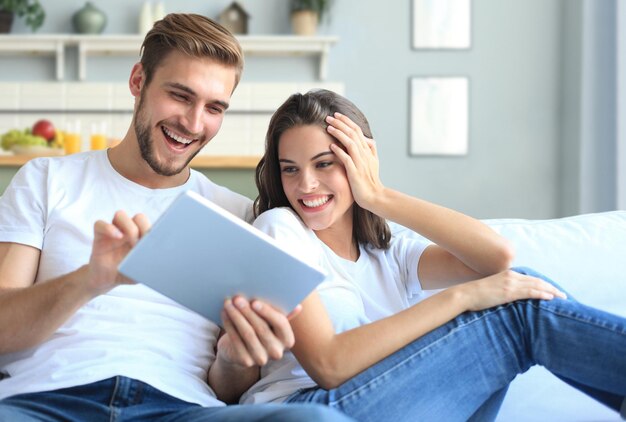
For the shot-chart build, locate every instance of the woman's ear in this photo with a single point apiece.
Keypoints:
(137, 79)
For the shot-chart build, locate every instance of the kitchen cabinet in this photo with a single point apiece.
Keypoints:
(120, 45)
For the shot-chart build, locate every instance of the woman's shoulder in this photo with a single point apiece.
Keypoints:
(284, 225)
(282, 216)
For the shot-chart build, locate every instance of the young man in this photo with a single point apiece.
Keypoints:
(77, 340)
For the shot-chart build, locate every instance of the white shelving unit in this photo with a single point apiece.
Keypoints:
(121, 45)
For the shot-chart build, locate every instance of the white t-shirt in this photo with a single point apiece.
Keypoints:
(379, 284)
(133, 331)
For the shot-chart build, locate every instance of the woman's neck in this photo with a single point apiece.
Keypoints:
(341, 242)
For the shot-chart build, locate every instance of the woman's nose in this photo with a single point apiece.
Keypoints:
(308, 181)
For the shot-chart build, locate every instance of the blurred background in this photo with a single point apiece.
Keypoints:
(546, 114)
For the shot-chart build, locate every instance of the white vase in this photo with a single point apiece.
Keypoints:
(304, 22)
(145, 18)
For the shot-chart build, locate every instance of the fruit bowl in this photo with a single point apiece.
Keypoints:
(37, 151)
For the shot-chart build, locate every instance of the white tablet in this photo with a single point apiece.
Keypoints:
(198, 254)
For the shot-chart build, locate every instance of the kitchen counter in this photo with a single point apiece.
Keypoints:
(201, 161)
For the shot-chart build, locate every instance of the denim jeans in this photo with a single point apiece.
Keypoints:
(461, 370)
(125, 399)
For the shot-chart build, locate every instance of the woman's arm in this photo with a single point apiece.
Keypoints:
(464, 249)
(331, 359)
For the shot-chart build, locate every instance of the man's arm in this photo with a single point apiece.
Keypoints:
(29, 312)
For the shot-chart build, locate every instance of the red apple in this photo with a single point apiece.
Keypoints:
(45, 129)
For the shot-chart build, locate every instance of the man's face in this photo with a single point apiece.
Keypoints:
(181, 110)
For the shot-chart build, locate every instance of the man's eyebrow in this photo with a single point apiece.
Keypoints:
(190, 91)
(315, 157)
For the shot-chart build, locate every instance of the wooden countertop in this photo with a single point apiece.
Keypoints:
(201, 161)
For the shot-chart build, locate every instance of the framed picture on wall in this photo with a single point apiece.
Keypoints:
(439, 115)
(442, 24)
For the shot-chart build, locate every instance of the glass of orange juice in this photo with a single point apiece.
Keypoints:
(98, 136)
(72, 138)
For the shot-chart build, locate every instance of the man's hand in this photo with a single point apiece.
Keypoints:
(255, 332)
(112, 242)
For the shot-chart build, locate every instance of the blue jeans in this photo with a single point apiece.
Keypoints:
(125, 399)
(461, 370)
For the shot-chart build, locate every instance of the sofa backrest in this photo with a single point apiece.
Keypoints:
(585, 254)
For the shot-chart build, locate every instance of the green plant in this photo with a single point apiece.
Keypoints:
(30, 10)
(322, 7)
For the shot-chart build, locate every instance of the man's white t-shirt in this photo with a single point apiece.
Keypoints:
(133, 331)
(379, 284)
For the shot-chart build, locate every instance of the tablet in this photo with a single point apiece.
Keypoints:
(198, 254)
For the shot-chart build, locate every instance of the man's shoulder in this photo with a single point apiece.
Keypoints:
(234, 202)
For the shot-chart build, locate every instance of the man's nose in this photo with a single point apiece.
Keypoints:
(194, 120)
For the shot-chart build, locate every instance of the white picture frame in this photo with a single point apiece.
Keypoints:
(439, 116)
(442, 24)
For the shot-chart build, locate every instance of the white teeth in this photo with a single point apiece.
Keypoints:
(176, 137)
(316, 202)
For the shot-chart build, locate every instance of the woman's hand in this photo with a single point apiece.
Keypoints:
(505, 287)
(359, 157)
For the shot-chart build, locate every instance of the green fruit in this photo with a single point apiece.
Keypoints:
(21, 138)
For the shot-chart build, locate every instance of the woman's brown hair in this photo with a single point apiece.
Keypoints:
(307, 109)
(194, 35)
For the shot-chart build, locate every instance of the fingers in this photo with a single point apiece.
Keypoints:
(349, 134)
(528, 287)
(541, 289)
(142, 223)
(277, 321)
(255, 333)
(102, 228)
(127, 226)
(242, 356)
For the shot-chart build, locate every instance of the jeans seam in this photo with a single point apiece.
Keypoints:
(574, 317)
(111, 407)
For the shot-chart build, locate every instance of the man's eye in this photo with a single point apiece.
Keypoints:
(179, 97)
(215, 110)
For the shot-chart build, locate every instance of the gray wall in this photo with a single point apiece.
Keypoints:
(515, 163)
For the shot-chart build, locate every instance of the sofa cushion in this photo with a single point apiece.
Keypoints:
(585, 254)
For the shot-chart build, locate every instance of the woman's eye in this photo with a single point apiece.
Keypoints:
(288, 169)
(324, 164)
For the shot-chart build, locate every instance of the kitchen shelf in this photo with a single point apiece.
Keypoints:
(199, 162)
(124, 45)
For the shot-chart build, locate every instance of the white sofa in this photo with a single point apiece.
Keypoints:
(586, 255)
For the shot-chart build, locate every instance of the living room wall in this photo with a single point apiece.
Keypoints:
(513, 164)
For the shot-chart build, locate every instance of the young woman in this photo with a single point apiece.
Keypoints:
(365, 346)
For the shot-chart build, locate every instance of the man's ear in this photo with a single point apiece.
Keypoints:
(137, 79)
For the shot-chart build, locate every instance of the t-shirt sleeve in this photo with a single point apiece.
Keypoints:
(290, 234)
(407, 251)
(23, 210)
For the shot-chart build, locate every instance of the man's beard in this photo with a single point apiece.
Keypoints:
(142, 132)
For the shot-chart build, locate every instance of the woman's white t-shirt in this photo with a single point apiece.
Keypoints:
(133, 331)
(379, 284)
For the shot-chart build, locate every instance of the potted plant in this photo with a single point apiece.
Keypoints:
(30, 10)
(307, 14)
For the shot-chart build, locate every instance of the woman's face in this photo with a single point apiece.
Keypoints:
(314, 179)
